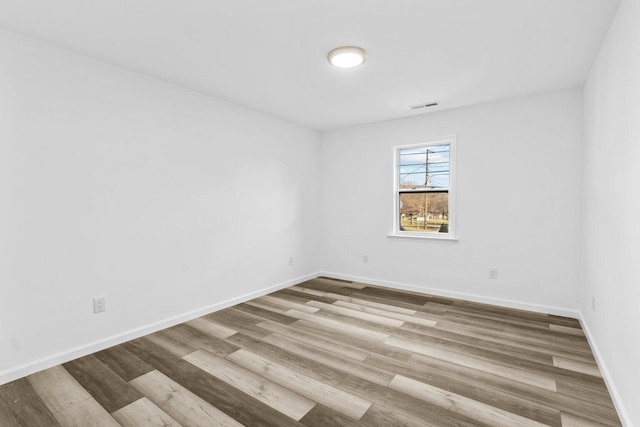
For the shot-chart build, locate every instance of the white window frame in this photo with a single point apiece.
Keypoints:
(451, 236)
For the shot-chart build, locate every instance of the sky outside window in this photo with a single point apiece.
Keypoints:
(424, 167)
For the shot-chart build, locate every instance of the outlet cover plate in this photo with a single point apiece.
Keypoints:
(99, 304)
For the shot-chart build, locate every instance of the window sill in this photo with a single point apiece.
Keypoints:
(432, 238)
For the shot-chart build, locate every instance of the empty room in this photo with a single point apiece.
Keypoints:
(319, 213)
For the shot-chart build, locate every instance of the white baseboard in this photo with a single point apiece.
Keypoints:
(606, 376)
(92, 347)
(538, 308)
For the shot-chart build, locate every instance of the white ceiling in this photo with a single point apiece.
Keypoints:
(270, 55)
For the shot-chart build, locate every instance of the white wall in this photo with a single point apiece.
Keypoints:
(161, 199)
(518, 203)
(611, 232)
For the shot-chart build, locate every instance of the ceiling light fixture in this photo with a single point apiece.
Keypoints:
(347, 56)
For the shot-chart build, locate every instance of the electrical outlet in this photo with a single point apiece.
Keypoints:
(290, 260)
(493, 273)
(99, 304)
(593, 303)
(365, 259)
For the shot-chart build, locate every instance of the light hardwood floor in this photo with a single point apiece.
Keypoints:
(330, 353)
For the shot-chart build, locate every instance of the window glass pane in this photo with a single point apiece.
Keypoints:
(424, 167)
(413, 150)
(424, 212)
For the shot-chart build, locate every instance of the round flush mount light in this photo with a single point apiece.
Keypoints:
(347, 56)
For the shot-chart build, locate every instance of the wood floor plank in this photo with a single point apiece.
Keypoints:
(194, 339)
(569, 420)
(104, 385)
(509, 361)
(339, 282)
(542, 324)
(20, 405)
(513, 312)
(408, 292)
(330, 352)
(506, 334)
(534, 394)
(268, 392)
(143, 412)
(313, 284)
(315, 294)
(394, 295)
(239, 321)
(87, 413)
(337, 362)
(597, 395)
(266, 305)
(461, 382)
(569, 341)
(426, 308)
(389, 314)
(567, 330)
(58, 389)
(360, 314)
(265, 314)
(355, 331)
(572, 365)
(319, 341)
(181, 404)
(212, 328)
(378, 305)
(239, 406)
(486, 336)
(170, 343)
(9, 418)
(349, 299)
(405, 405)
(577, 380)
(500, 352)
(429, 334)
(577, 344)
(501, 328)
(285, 304)
(380, 416)
(124, 364)
(563, 321)
(291, 360)
(338, 400)
(525, 376)
(459, 404)
(338, 338)
(296, 296)
(321, 416)
(69, 402)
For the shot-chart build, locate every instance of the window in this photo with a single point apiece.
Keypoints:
(425, 190)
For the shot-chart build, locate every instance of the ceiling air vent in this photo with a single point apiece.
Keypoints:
(419, 106)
